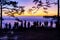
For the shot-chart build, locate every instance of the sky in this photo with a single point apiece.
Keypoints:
(29, 4)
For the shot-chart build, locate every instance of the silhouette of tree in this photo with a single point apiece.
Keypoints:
(22, 9)
(47, 2)
(30, 11)
(8, 2)
(40, 4)
(36, 1)
(14, 3)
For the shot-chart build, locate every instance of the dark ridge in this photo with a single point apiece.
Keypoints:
(54, 17)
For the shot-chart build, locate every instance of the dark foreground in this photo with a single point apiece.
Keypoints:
(29, 34)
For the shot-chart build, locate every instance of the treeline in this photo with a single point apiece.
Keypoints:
(28, 25)
(50, 16)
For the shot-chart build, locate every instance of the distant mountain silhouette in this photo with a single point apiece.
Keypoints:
(54, 17)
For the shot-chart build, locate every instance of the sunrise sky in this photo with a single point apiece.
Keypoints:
(29, 4)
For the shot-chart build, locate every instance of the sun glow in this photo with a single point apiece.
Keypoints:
(30, 12)
(40, 12)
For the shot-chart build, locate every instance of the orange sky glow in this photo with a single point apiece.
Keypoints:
(51, 11)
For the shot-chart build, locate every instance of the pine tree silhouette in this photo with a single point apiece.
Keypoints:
(16, 25)
(51, 24)
(9, 25)
(28, 24)
(46, 24)
(6, 26)
(36, 1)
